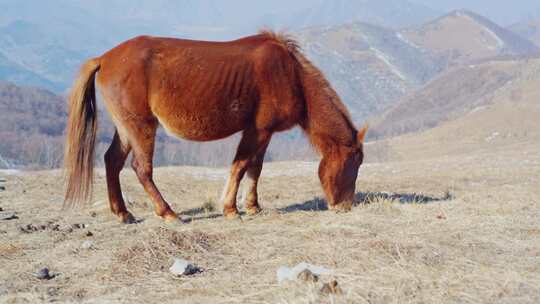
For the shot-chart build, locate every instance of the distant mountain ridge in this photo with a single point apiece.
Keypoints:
(463, 36)
(475, 76)
(373, 67)
(461, 91)
(529, 29)
(13, 72)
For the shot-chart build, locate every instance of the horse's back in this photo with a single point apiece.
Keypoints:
(202, 90)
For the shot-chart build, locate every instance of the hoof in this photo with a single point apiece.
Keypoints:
(170, 222)
(341, 207)
(126, 218)
(231, 215)
(253, 210)
(170, 216)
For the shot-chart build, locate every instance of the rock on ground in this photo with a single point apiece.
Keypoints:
(43, 274)
(183, 267)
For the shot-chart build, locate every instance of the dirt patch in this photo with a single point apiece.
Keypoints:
(9, 251)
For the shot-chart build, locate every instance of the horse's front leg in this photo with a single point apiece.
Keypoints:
(251, 145)
(251, 201)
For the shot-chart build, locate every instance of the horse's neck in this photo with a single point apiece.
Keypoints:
(327, 126)
(327, 121)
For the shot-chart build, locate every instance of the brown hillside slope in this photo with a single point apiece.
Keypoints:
(491, 128)
(31, 125)
(460, 91)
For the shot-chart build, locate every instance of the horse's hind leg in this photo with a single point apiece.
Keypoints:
(252, 143)
(115, 158)
(143, 150)
(251, 201)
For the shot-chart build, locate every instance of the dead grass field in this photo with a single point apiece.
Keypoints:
(453, 229)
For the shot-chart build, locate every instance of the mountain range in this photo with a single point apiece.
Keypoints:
(373, 67)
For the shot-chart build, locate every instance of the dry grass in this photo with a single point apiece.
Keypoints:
(158, 245)
(445, 230)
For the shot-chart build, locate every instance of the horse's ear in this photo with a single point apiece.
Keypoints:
(360, 136)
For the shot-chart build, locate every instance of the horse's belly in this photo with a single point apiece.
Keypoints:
(197, 133)
(203, 126)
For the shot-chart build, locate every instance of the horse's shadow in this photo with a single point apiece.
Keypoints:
(199, 213)
(319, 204)
(364, 198)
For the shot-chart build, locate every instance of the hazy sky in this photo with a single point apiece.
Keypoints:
(504, 12)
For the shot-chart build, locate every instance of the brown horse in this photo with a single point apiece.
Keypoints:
(206, 91)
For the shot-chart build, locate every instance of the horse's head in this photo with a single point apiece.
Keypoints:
(338, 171)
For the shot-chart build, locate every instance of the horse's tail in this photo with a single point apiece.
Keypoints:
(81, 136)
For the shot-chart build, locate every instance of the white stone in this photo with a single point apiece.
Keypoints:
(182, 267)
(87, 244)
